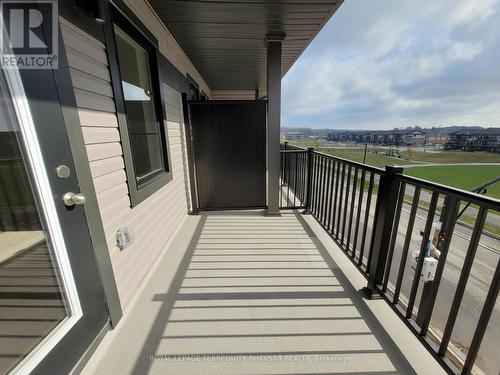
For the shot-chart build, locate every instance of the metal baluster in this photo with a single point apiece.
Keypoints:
(330, 194)
(351, 213)
(423, 246)
(295, 181)
(367, 217)
(484, 318)
(327, 193)
(346, 204)
(462, 281)
(406, 246)
(321, 188)
(341, 192)
(449, 225)
(335, 218)
(358, 215)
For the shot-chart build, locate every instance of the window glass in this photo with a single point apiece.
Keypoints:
(194, 93)
(143, 126)
(32, 297)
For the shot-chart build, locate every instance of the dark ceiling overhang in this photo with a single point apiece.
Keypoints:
(225, 39)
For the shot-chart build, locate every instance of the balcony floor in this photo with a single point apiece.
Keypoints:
(242, 293)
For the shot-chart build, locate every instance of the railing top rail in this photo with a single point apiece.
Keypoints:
(287, 151)
(481, 200)
(293, 147)
(353, 163)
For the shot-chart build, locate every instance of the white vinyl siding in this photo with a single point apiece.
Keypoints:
(152, 223)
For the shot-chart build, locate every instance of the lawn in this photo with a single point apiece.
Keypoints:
(377, 158)
(450, 157)
(373, 157)
(466, 177)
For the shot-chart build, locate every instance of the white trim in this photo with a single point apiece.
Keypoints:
(36, 165)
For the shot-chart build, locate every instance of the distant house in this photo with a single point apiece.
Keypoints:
(488, 140)
(436, 138)
(460, 140)
(293, 135)
(409, 137)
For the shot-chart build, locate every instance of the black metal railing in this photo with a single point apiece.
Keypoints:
(293, 178)
(390, 225)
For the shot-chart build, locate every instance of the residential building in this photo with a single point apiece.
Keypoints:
(483, 140)
(461, 140)
(293, 135)
(409, 137)
(434, 137)
(488, 140)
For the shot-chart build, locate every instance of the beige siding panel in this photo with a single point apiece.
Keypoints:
(100, 135)
(154, 221)
(89, 47)
(103, 151)
(86, 64)
(85, 99)
(105, 166)
(115, 208)
(90, 83)
(90, 117)
(110, 180)
(116, 192)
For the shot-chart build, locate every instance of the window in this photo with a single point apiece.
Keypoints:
(194, 91)
(144, 141)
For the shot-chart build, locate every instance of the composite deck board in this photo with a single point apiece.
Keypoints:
(247, 311)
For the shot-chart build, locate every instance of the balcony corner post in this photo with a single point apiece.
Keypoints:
(274, 52)
(310, 151)
(385, 211)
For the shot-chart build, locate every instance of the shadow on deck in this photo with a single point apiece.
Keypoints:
(239, 292)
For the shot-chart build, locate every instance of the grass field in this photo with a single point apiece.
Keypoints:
(450, 157)
(375, 158)
(466, 177)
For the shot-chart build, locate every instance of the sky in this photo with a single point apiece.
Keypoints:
(392, 63)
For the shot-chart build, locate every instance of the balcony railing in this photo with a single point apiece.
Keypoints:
(385, 222)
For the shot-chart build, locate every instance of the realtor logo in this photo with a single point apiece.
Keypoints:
(29, 34)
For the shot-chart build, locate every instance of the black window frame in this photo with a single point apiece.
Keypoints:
(138, 190)
(195, 87)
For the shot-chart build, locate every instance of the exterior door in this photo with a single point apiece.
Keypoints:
(51, 302)
(229, 139)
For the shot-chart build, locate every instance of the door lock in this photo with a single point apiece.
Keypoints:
(70, 199)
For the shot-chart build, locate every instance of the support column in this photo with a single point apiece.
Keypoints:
(273, 121)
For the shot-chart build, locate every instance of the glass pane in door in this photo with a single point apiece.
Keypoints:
(32, 299)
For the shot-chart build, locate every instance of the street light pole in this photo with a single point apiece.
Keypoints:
(366, 147)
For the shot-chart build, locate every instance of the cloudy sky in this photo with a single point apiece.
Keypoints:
(392, 63)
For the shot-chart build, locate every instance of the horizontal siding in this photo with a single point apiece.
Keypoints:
(154, 221)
